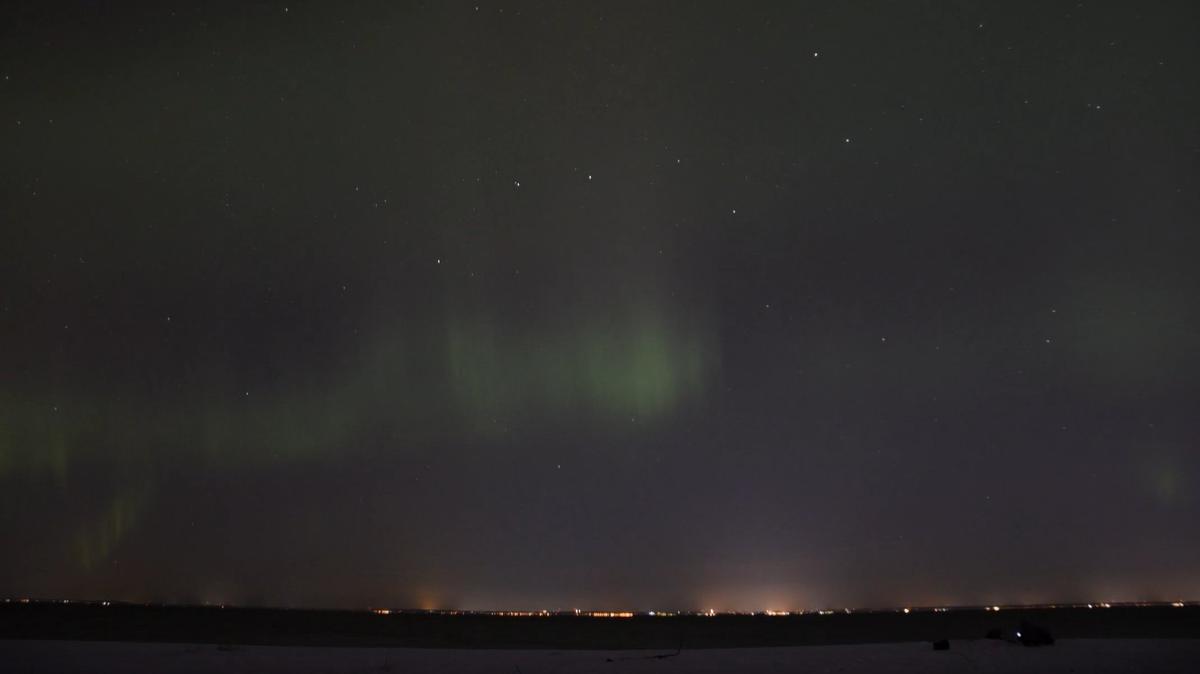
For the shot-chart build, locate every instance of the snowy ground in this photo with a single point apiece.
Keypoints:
(1079, 655)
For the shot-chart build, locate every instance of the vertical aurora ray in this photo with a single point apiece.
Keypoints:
(641, 366)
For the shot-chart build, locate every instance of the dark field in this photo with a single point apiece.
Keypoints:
(281, 627)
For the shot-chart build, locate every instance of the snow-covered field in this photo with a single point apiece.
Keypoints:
(1080, 655)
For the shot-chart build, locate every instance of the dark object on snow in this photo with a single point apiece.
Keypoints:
(941, 645)
(1032, 635)
(995, 633)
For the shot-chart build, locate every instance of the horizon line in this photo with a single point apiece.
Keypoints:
(621, 613)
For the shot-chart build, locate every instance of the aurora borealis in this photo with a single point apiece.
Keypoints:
(618, 306)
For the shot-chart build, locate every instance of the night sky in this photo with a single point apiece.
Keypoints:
(612, 306)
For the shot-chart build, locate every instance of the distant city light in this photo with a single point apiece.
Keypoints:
(662, 614)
